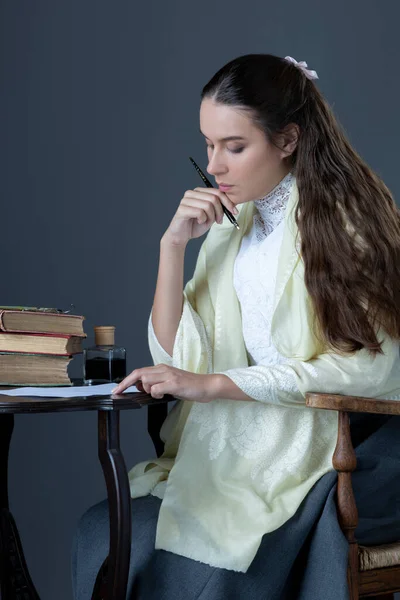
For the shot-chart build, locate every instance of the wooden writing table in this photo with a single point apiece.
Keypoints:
(112, 579)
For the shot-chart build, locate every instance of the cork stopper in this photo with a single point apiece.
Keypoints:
(104, 335)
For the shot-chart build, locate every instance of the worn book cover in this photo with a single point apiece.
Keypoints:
(38, 343)
(33, 369)
(31, 319)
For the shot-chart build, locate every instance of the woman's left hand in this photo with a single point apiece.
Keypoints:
(163, 379)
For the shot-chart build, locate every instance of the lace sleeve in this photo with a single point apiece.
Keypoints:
(359, 374)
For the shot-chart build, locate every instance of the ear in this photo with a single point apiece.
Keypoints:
(289, 139)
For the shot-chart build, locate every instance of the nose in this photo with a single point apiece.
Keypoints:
(215, 167)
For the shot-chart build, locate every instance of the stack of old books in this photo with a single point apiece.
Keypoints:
(37, 345)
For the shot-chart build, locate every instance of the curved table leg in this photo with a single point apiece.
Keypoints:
(156, 415)
(112, 579)
(15, 581)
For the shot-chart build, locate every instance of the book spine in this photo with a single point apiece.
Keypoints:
(64, 336)
(17, 385)
(39, 353)
(4, 311)
(43, 313)
(63, 356)
(44, 333)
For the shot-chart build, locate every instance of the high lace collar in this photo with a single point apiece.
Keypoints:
(271, 208)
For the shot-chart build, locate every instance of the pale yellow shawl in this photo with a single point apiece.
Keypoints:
(233, 471)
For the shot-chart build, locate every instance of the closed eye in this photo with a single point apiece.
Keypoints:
(235, 151)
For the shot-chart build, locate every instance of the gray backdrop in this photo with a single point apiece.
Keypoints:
(100, 111)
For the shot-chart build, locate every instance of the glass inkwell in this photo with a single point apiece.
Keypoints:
(105, 362)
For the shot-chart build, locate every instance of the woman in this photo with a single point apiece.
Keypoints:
(304, 297)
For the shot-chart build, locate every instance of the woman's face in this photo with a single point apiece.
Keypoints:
(251, 165)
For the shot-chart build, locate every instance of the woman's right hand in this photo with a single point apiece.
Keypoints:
(197, 211)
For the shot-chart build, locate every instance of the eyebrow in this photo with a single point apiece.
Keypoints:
(225, 139)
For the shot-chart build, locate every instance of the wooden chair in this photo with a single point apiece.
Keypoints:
(373, 571)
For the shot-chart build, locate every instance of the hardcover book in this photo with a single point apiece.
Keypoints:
(37, 343)
(32, 369)
(29, 319)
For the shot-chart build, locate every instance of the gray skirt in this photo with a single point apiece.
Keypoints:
(305, 559)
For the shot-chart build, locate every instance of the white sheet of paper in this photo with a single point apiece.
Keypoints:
(72, 391)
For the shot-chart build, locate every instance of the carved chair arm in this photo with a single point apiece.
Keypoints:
(352, 403)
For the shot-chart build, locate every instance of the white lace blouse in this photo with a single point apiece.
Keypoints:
(255, 274)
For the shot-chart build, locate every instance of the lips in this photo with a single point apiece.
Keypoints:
(224, 187)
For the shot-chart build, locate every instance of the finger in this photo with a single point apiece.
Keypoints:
(212, 207)
(139, 386)
(142, 375)
(202, 214)
(213, 196)
(215, 199)
(125, 383)
(150, 379)
(224, 199)
(157, 391)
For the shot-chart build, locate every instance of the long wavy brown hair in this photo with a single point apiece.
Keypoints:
(348, 222)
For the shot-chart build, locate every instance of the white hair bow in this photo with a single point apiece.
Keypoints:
(303, 66)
